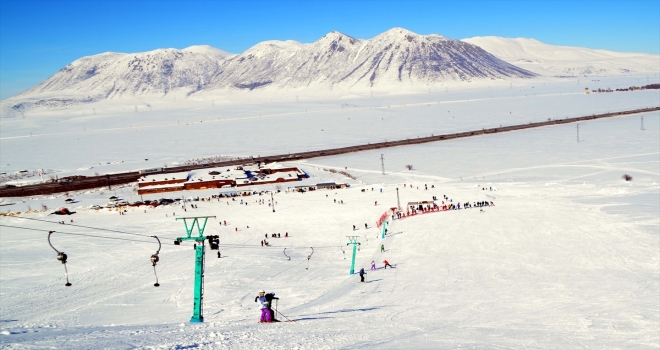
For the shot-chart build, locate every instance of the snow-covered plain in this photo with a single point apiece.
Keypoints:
(568, 257)
(77, 141)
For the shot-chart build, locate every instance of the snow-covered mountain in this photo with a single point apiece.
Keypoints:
(553, 60)
(390, 60)
(154, 72)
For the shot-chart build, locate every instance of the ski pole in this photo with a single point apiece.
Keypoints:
(284, 316)
(276, 301)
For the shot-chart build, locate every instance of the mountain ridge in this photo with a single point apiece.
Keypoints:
(556, 60)
(397, 58)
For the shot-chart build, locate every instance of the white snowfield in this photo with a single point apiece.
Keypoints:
(554, 60)
(111, 136)
(567, 258)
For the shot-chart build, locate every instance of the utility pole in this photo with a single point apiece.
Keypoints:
(382, 163)
(353, 240)
(398, 203)
(214, 242)
(272, 201)
(578, 133)
(643, 123)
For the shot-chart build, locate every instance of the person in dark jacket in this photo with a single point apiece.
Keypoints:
(266, 306)
(362, 273)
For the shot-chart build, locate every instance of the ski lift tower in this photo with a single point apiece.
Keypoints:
(353, 240)
(214, 242)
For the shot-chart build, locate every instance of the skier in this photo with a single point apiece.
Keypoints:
(376, 203)
(263, 305)
(353, 227)
(270, 297)
(382, 248)
(365, 225)
(373, 266)
(387, 264)
(362, 273)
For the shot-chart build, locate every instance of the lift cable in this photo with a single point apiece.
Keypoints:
(88, 227)
(75, 234)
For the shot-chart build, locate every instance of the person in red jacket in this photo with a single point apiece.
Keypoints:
(387, 264)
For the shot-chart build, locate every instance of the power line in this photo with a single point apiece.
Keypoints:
(77, 234)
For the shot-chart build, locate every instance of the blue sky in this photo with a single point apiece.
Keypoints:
(37, 38)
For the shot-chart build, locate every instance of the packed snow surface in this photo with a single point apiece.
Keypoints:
(566, 258)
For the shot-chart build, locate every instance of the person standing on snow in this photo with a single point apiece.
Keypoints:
(382, 248)
(263, 305)
(387, 264)
(373, 266)
(362, 273)
(269, 298)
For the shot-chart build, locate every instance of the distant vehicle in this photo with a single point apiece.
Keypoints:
(165, 201)
(63, 211)
(151, 171)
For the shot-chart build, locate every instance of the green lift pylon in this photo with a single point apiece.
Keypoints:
(199, 259)
(353, 240)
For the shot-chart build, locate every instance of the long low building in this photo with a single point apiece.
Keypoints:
(221, 177)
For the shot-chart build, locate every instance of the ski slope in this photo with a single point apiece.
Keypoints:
(567, 257)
